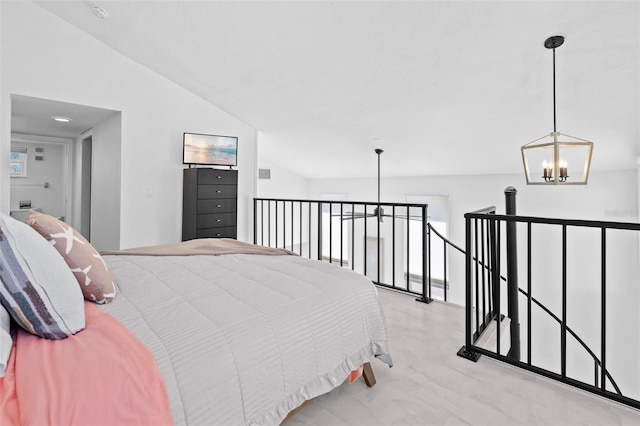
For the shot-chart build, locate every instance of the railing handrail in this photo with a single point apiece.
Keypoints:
(582, 343)
(445, 239)
(368, 203)
(486, 210)
(632, 226)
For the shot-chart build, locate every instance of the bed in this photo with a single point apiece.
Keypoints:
(239, 334)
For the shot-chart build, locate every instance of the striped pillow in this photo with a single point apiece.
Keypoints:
(36, 287)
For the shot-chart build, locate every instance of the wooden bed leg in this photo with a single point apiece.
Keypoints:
(295, 410)
(367, 374)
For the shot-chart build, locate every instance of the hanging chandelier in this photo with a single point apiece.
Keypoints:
(547, 159)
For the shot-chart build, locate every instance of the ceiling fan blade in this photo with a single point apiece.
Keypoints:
(356, 216)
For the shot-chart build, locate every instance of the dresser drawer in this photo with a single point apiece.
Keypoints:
(219, 177)
(216, 191)
(226, 205)
(224, 232)
(216, 220)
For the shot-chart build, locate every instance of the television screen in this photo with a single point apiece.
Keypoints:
(210, 150)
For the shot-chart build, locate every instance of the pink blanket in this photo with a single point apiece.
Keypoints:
(101, 376)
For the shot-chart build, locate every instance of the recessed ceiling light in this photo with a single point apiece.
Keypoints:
(100, 12)
(61, 119)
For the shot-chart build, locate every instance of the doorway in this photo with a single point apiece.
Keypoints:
(92, 142)
(43, 183)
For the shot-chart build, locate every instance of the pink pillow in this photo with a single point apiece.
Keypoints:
(96, 282)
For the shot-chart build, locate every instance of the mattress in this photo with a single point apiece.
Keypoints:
(243, 338)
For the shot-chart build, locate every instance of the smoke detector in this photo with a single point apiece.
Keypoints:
(100, 12)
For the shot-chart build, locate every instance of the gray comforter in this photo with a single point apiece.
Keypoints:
(244, 339)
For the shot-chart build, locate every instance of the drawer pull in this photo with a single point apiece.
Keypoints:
(218, 177)
(217, 235)
(218, 220)
(219, 205)
(218, 192)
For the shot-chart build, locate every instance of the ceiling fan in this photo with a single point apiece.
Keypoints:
(378, 211)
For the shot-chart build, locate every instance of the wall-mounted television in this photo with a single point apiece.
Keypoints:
(211, 150)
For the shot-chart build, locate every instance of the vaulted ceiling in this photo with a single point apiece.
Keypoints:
(444, 87)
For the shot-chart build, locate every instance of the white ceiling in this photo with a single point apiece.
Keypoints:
(33, 116)
(444, 87)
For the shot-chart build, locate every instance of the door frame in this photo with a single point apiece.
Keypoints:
(80, 181)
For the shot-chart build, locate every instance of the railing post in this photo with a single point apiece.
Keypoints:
(255, 221)
(426, 265)
(319, 230)
(466, 351)
(512, 276)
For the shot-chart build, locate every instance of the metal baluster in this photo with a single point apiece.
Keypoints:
(477, 280)
(292, 230)
(319, 231)
(276, 221)
(408, 258)
(365, 239)
(341, 231)
(310, 221)
(563, 325)
(393, 247)
(269, 227)
(353, 237)
(603, 311)
(330, 233)
(529, 295)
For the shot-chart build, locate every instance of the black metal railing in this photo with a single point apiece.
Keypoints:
(490, 241)
(388, 242)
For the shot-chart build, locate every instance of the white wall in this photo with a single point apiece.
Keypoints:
(282, 184)
(43, 56)
(105, 184)
(76, 204)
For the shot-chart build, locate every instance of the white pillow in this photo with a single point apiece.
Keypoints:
(5, 339)
(37, 289)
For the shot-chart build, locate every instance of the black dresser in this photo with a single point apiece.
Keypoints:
(209, 203)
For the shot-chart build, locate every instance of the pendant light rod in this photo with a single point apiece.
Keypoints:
(379, 151)
(554, 91)
(551, 43)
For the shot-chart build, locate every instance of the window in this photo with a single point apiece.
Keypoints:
(18, 163)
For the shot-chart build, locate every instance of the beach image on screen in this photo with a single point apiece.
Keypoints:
(210, 149)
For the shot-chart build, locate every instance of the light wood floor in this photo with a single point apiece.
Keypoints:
(430, 384)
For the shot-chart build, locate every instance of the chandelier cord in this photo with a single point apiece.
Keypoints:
(554, 90)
